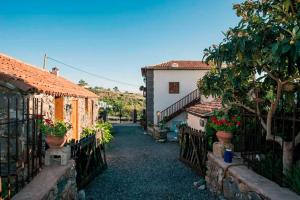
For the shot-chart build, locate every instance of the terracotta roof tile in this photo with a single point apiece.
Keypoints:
(38, 80)
(181, 64)
(205, 108)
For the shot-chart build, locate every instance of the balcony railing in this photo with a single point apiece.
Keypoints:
(179, 106)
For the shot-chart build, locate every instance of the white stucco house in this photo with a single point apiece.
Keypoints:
(171, 87)
(198, 114)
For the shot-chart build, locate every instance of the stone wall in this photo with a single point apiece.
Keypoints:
(150, 96)
(236, 182)
(53, 182)
(85, 119)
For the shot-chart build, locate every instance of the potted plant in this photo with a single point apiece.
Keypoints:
(225, 126)
(161, 131)
(56, 132)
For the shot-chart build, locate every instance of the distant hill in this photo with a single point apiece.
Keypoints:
(124, 101)
(119, 101)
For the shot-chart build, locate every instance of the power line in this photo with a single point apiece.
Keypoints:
(91, 74)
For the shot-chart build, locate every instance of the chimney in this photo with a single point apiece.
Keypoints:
(55, 71)
(175, 64)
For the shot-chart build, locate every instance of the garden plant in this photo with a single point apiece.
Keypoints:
(257, 65)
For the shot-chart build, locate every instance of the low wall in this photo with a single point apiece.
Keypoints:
(53, 182)
(236, 181)
(156, 133)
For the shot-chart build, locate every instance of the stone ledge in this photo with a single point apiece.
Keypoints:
(45, 182)
(254, 181)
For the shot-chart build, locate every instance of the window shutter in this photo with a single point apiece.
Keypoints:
(173, 87)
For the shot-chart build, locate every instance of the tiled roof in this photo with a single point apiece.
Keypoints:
(205, 108)
(181, 64)
(31, 78)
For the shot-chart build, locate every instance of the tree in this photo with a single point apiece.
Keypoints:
(118, 105)
(116, 89)
(82, 83)
(142, 88)
(261, 56)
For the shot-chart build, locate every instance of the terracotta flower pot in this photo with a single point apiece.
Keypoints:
(55, 142)
(224, 137)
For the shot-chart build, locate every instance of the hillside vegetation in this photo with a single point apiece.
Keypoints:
(124, 102)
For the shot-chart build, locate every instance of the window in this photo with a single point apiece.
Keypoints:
(202, 122)
(92, 113)
(173, 87)
(86, 105)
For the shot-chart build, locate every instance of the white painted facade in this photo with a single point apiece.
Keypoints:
(196, 122)
(187, 83)
(179, 118)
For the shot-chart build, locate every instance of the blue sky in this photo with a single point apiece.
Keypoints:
(111, 38)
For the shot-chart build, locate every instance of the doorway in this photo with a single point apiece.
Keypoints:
(74, 119)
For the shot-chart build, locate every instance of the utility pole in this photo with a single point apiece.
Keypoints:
(45, 61)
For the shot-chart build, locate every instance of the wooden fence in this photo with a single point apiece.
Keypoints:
(89, 155)
(193, 149)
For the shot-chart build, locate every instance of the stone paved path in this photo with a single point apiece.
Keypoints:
(140, 168)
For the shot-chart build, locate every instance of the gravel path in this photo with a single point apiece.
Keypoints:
(140, 168)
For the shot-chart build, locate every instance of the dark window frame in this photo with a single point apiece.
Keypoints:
(174, 87)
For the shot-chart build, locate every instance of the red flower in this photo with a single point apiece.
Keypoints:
(229, 124)
(48, 121)
(214, 119)
(234, 118)
(238, 123)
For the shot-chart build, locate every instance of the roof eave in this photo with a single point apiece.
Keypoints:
(199, 114)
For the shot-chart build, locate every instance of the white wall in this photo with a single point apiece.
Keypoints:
(181, 117)
(188, 82)
(194, 122)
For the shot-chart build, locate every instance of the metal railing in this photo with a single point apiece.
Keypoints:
(21, 143)
(265, 155)
(177, 107)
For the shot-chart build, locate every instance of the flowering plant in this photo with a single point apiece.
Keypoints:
(223, 122)
(57, 128)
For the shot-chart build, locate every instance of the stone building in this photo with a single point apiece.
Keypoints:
(61, 99)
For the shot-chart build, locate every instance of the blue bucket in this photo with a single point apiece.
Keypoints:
(228, 156)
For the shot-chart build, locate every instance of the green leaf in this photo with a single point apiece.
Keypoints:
(275, 48)
(298, 48)
(285, 49)
(295, 30)
(286, 4)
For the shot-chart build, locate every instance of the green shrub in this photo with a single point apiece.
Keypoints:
(87, 132)
(210, 133)
(57, 128)
(104, 127)
(107, 129)
(293, 179)
(162, 124)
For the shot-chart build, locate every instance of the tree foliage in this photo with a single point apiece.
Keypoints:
(261, 54)
(125, 103)
(259, 59)
(82, 83)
